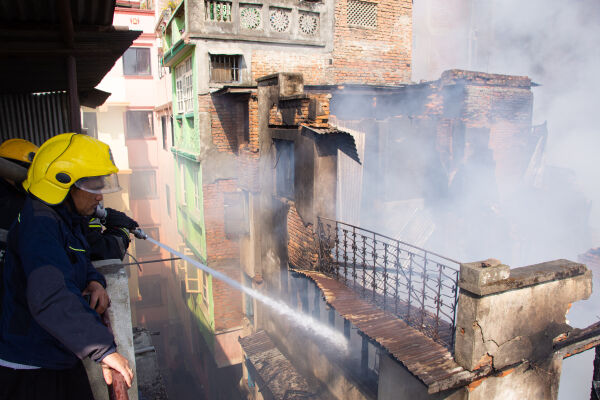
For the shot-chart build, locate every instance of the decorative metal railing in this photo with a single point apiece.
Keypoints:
(419, 286)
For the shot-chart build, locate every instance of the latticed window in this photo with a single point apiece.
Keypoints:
(219, 11)
(192, 280)
(225, 68)
(362, 13)
(184, 86)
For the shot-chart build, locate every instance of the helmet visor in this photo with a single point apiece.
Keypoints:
(99, 184)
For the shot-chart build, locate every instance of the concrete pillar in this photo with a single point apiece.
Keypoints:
(509, 319)
(119, 314)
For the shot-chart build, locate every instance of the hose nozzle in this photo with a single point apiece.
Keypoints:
(139, 233)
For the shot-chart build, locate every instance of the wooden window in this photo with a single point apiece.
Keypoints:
(184, 87)
(139, 124)
(284, 168)
(136, 61)
(192, 279)
(225, 68)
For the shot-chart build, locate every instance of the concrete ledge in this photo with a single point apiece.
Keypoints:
(483, 281)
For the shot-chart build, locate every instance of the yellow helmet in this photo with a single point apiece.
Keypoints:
(19, 150)
(71, 159)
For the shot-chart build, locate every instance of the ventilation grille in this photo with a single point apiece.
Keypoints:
(362, 13)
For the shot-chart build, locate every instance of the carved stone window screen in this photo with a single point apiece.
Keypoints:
(362, 13)
(308, 23)
(280, 19)
(251, 16)
(219, 11)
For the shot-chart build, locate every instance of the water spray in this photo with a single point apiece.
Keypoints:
(305, 321)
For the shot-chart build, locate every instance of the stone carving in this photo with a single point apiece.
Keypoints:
(250, 17)
(309, 23)
(280, 19)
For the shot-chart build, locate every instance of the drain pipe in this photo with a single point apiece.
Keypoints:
(12, 171)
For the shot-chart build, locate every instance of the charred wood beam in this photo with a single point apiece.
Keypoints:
(578, 341)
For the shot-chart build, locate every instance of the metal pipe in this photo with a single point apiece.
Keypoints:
(12, 171)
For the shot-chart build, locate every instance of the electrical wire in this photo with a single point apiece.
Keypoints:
(135, 261)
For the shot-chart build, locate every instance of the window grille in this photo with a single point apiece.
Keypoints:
(219, 11)
(362, 13)
(280, 19)
(184, 86)
(250, 16)
(225, 68)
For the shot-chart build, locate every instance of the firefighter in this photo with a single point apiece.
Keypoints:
(12, 195)
(47, 325)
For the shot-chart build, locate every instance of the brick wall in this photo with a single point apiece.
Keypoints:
(227, 300)
(379, 55)
(302, 246)
(249, 152)
(227, 120)
(218, 247)
(315, 67)
(507, 112)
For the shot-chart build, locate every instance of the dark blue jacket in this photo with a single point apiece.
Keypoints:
(46, 322)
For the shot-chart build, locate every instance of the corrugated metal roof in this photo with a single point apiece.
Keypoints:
(84, 12)
(346, 142)
(35, 45)
(275, 371)
(426, 359)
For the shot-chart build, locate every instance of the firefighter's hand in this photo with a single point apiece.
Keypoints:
(99, 300)
(119, 219)
(118, 363)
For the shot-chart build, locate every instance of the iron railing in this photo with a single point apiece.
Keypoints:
(419, 286)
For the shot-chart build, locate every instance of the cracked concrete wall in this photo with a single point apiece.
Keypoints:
(508, 319)
(526, 381)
